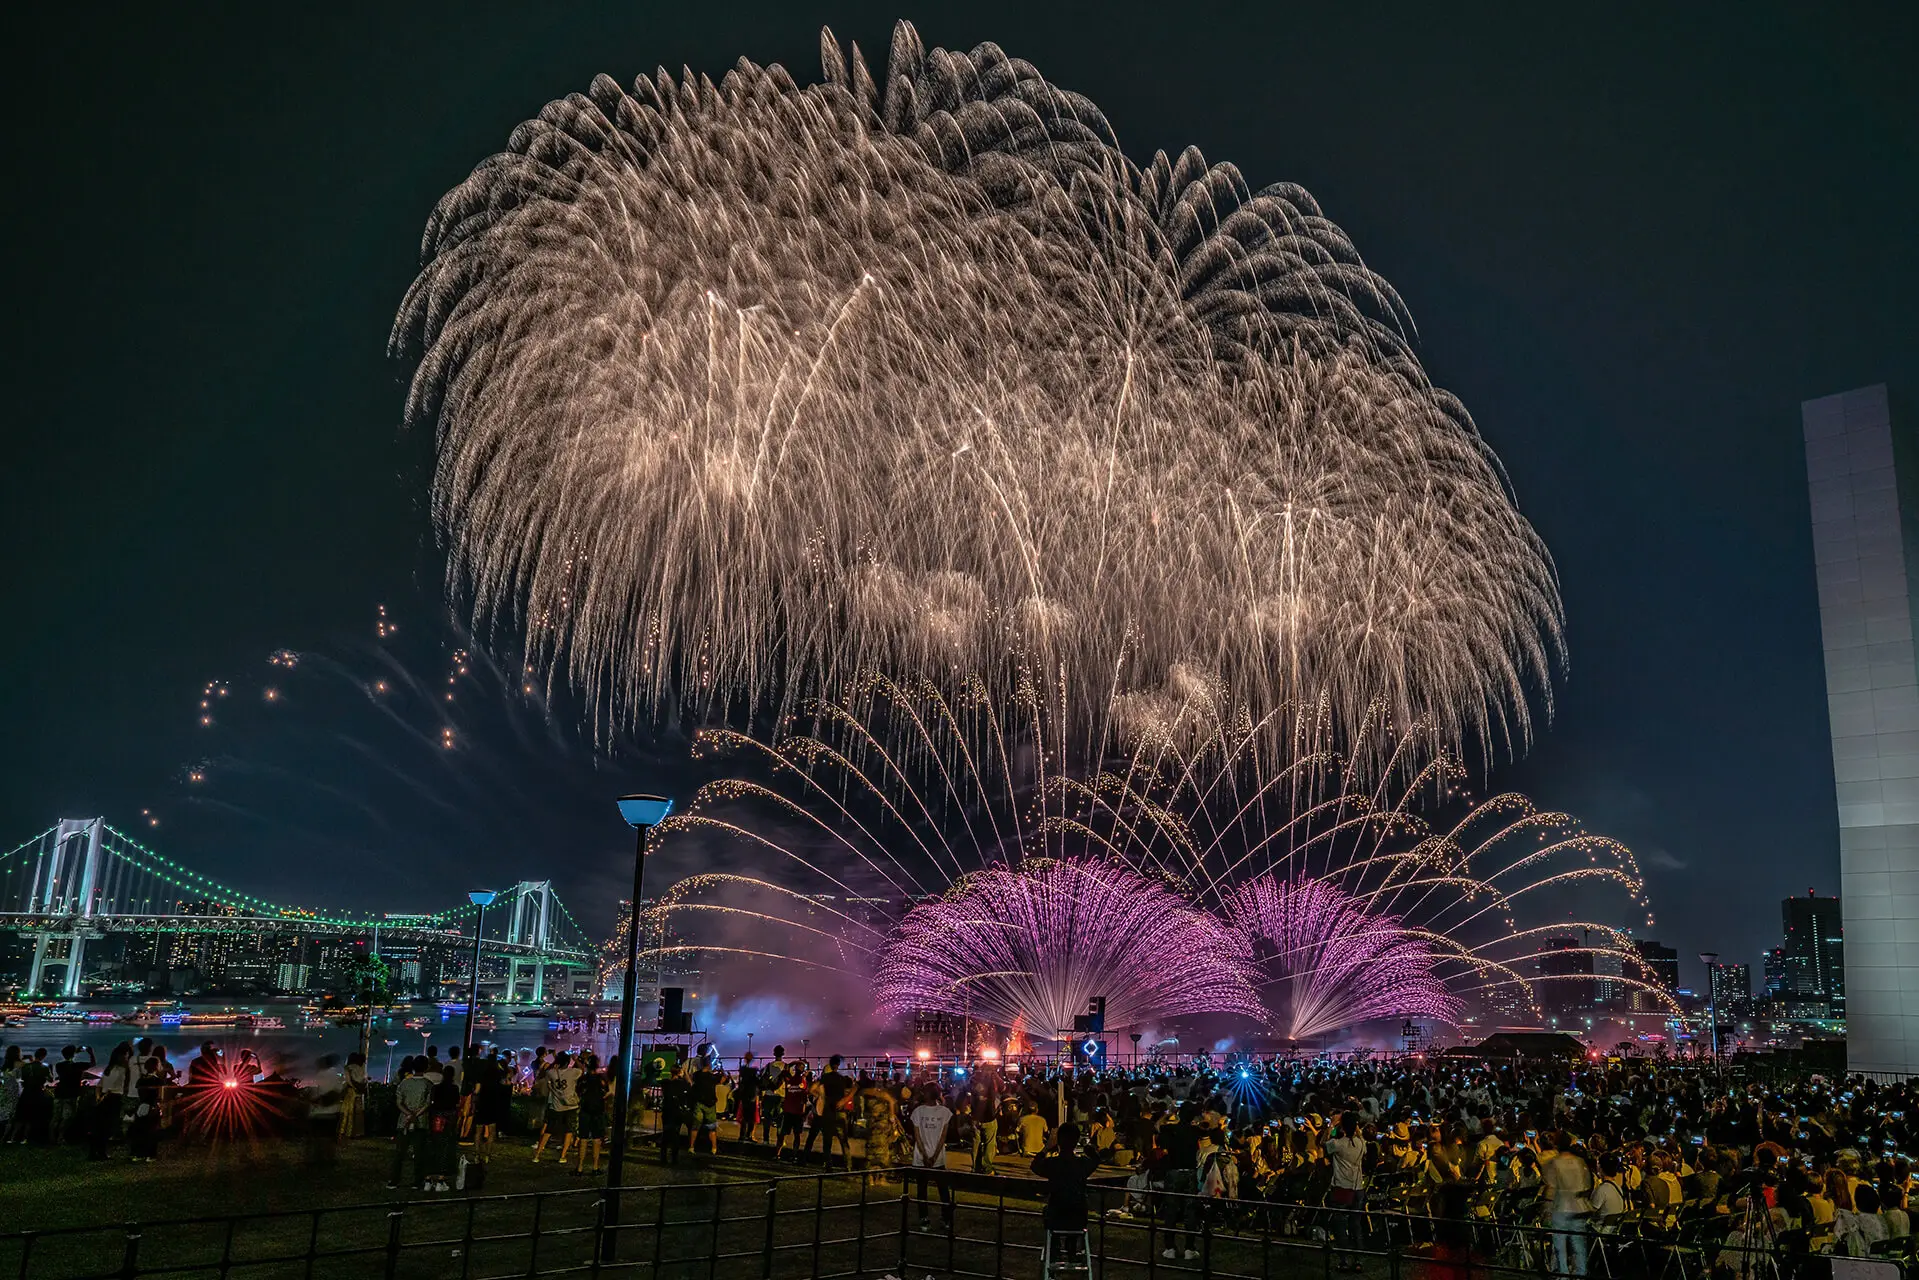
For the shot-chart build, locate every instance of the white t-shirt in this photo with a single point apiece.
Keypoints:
(564, 1094)
(1349, 1162)
(929, 1127)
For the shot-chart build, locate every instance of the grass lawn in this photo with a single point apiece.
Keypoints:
(706, 1220)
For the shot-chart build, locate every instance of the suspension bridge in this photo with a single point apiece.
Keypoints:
(81, 880)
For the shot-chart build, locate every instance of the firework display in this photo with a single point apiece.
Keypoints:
(1030, 945)
(1342, 904)
(1327, 963)
(743, 388)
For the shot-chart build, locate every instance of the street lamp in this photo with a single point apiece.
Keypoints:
(481, 898)
(642, 813)
(1710, 959)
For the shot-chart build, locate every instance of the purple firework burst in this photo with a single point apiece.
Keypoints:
(1029, 945)
(1328, 962)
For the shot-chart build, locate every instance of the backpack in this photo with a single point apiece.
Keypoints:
(1212, 1179)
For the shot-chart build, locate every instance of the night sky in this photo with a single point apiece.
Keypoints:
(1632, 249)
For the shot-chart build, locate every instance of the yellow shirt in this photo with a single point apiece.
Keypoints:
(1032, 1135)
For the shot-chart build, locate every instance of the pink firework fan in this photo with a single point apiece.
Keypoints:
(1030, 945)
(1327, 962)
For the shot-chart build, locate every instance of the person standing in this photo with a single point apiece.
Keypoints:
(882, 1111)
(143, 1128)
(929, 1123)
(562, 1106)
(352, 1095)
(69, 1081)
(325, 1106)
(795, 1096)
(676, 1108)
(1347, 1155)
(492, 1105)
(537, 1090)
(10, 1095)
(706, 1107)
(411, 1095)
(746, 1098)
(592, 1091)
(117, 1082)
(1066, 1171)
(1181, 1143)
(985, 1109)
(1567, 1183)
(442, 1132)
(772, 1090)
(35, 1108)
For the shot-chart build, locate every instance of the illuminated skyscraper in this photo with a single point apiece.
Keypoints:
(1864, 479)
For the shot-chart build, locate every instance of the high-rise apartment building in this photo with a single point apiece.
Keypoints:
(1661, 970)
(1731, 988)
(1863, 474)
(1568, 990)
(1813, 952)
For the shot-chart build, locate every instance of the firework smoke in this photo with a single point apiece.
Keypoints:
(743, 388)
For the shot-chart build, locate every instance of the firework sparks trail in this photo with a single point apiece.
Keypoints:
(1031, 945)
(745, 388)
(1328, 963)
(1363, 903)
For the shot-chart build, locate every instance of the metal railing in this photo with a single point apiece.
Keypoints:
(847, 1225)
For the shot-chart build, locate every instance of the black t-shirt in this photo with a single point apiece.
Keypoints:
(68, 1075)
(749, 1086)
(1066, 1175)
(706, 1088)
(479, 1074)
(1182, 1145)
(835, 1084)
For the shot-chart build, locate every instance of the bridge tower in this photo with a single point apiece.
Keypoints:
(66, 883)
(530, 926)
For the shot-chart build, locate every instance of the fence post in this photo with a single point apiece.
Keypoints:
(859, 1247)
(1206, 1243)
(599, 1237)
(999, 1233)
(393, 1220)
(466, 1240)
(772, 1212)
(130, 1257)
(659, 1227)
(819, 1211)
(533, 1234)
(313, 1244)
(905, 1197)
(713, 1244)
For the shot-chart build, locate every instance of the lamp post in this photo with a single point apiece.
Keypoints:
(1710, 959)
(642, 813)
(481, 898)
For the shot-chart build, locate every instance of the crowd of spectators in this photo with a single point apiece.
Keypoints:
(1545, 1161)
(1634, 1153)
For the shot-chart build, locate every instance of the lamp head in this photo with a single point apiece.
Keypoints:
(1708, 957)
(645, 811)
(481, 897)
